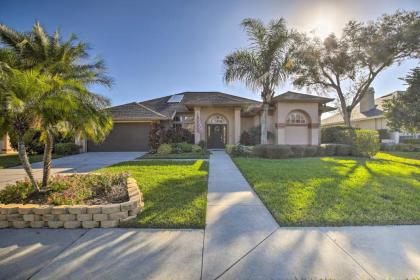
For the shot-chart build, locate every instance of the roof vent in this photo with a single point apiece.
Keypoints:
(175, 98)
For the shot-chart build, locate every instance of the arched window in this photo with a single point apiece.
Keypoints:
(217, 119)
(296, 117)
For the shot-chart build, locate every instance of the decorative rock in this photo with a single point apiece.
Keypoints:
(90, 224)
(62, 209)
(100, 217)
(128, 219)
(118, 215)
(55, 224)
(110, 208)
(129, 205)
(37, 224)
(72, 224)
(14, 217)
(94, 209)
(3, 217)
(77, 209)
(134, 212)
(42, 210)
(67, 217)
(84, 217)
(11, 208)
(4, 224)
(29, 217)
(109, 224)
(20, 224)
(26, 209)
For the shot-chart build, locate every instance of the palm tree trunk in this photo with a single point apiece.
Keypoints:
(23, 156)
(264, 116)
(47, 160)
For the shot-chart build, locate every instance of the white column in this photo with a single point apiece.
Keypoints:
(198, 125)
(82, 142)
(237, 125)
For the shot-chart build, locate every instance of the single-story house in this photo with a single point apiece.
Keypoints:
(367, 115)
(215, 117)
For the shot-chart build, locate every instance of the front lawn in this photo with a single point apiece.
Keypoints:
(176, 156)
(175, 193)
(413, 155)
(10, 160)
(333, 191)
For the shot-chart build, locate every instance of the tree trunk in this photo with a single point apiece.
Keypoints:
(346, 117)
(47, 160)
(264, 116)
(23, 156)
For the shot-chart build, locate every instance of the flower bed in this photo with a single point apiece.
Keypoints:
(104, 205)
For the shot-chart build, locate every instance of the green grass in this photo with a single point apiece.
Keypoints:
(175, 193)
(176, 156)
(334, 191)
(413, 155)
(10, 160)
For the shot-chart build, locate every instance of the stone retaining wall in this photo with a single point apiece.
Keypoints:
(76, 216)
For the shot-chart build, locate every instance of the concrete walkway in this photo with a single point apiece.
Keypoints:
(80, 163)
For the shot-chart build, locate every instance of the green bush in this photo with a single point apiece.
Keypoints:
(383, 134)
(196, 149)
(17, 193)
(164, 149)
(230, 149)
(202, 144)
(311, 151)
(246, 139)
(279, 151)
(184, 147)
(343, 150)
(239, 150)
(411, 141)
(337, 135)
(387, 147)
(32, 141)
(298, 151)
(66, 149)
(259, 150)
(329, 149)
(402, 147)
(365, 143)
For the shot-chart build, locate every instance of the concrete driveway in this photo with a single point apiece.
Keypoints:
(80, 163)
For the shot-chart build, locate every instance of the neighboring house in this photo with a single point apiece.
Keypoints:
(5, 145)
(367, 115)
(215, 117)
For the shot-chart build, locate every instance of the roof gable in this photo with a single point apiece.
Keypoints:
(300, 97)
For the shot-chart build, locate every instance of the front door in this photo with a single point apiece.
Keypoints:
(216, 136)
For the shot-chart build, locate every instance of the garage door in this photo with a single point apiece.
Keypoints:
(124, 137)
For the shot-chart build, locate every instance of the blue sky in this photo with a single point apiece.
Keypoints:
(157, 48)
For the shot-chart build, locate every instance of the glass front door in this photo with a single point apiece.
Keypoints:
(216, 136)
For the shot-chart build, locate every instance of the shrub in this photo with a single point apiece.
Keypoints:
(177, 135)
(337, 134)
(365, 143)
(164, 149)
(17, 193)
(155, 136)
(202, 144)
(32, 140)
(66, 148)
(387, 147)
(297, 151)
(260, 150)
(196, 149)
(184, 147)
(246, 139)
(329, 149)
(411, 141)
(278, 151)
(310, 151)
(383, 134)
(343, 150)
(321, 150)
(255, 135)
(230, 149)
(402, 147)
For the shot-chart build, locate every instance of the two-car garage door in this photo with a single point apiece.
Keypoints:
(124, 137)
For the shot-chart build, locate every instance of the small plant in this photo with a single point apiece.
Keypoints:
(185, 147)
(337, 135)
(365, 143)
(246, 139)
(164, 149)
(66, 148)
(196, 149)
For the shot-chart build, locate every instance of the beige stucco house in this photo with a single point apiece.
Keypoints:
(215, 117)
(367, 115)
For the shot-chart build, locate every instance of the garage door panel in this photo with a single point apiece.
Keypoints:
(124, 137)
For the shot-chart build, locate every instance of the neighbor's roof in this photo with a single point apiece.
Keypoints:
(356, 115)
(300, 97)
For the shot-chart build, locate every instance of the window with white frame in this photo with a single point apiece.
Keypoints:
(296, 117)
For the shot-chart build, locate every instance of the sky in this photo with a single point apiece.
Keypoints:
(158, 48)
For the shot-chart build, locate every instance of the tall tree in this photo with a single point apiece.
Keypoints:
(403, 110)
(348, 65)
(265, 64)
(68, 64)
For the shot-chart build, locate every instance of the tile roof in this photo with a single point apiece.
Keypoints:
(134, 111)
(296, 96)
(375, 112)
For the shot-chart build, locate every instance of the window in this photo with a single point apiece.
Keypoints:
(296, 117)
(217, 119)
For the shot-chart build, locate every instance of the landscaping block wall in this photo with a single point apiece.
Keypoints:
(76, 216)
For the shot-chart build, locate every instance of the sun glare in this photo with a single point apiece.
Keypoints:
(322, 27)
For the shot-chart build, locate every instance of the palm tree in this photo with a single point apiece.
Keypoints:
(67, 64)
(20, 92)
(265, 64)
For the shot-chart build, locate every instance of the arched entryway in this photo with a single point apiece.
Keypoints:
(216, 130)
(298, 130)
